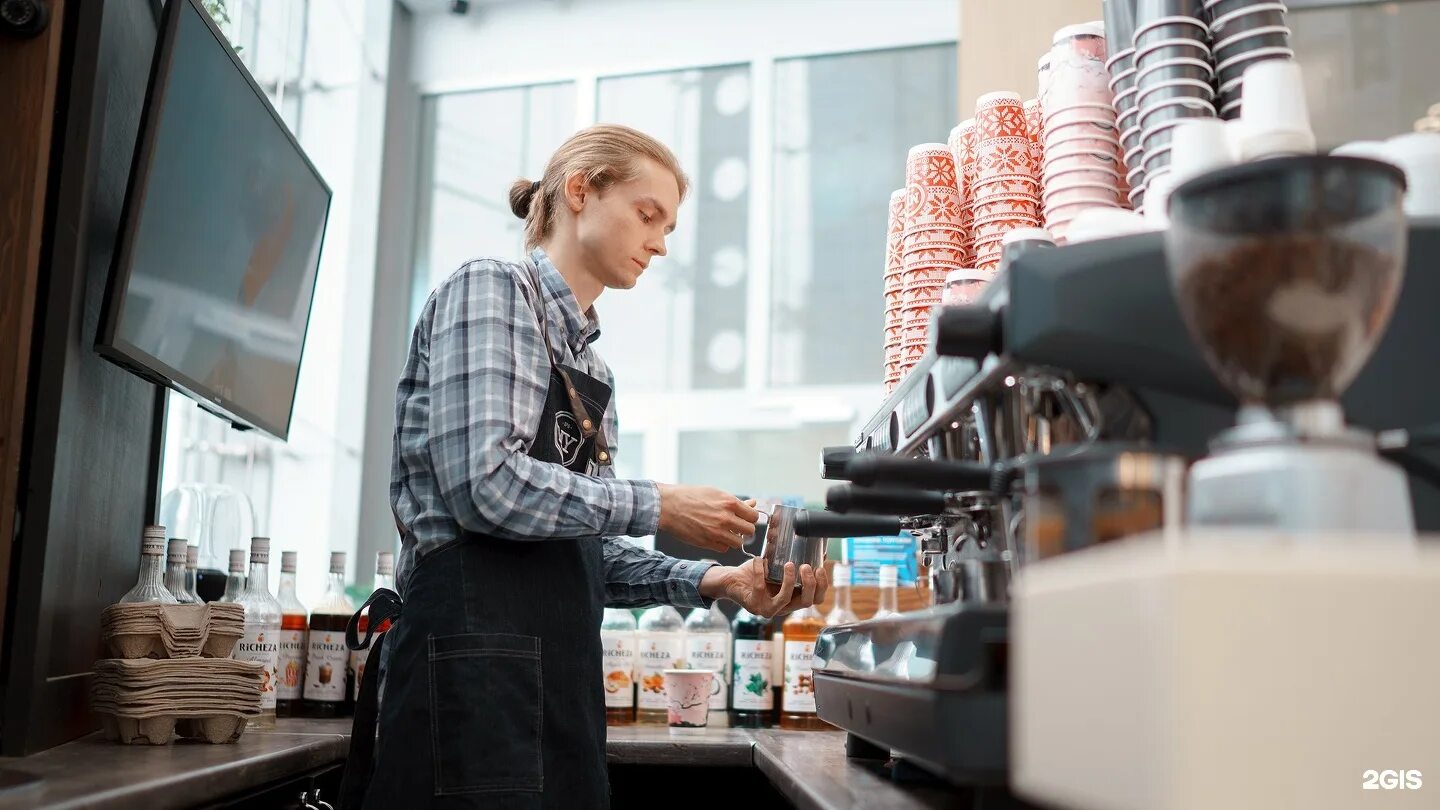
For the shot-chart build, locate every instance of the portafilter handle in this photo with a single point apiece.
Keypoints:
(876, 469)
(812, 523)
(846, 498)
(833, 461)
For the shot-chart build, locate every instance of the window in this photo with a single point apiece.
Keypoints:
(772, 463)
(689, 309)
(478, 144)
(843, 125)
(1370, 69)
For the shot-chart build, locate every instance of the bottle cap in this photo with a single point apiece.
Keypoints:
(152, 541)
(840, 575)
(192, 557)
(888, 576)
(260, 550)
(176, 554)
(287, 561)
(385, 563)
(237, 560)
(337, 562)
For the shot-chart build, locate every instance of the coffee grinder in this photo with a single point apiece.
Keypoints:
(1286, 272)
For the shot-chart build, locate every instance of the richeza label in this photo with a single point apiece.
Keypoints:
(325, 668)
(711, 651)
(290, 670)
(656, 654)
(799, 679)
(261, 645)
(617, 653)
(754, 667)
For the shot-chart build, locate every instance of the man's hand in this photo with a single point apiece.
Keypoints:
(706, 517)
(746, 585)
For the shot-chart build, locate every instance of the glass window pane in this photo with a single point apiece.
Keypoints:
(761, 463)
(1370, 70)
(688, 312)
(843, 125)
(477, 144)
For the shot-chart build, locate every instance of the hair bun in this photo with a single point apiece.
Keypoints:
(522, 194)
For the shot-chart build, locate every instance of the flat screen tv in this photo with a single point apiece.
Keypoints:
(219, 242)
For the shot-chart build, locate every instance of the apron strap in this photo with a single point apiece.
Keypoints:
(601, 450)
(384, 606)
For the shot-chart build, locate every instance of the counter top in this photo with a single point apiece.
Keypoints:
(809, 768)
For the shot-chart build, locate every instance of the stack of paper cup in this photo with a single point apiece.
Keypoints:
(1007, 182)
(1120, 43)
(1034, 115)
(933, 242)
(1173, 77)
(1244, 32)
(1082, 167)
(894, 288)
(965, 170)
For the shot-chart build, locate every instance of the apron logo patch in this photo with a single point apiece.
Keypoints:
(567, 437)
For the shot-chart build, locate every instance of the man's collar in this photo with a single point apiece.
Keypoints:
(560, 304)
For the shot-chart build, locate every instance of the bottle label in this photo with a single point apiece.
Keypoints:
(357, 666)
(617, 651)
(261, 645)
(656, 654)
(291, 665)
(777, 675)
(711, 651)
(325, 666)
(754, 671)
(799, 696)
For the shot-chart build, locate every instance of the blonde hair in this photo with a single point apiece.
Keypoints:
(606, 154)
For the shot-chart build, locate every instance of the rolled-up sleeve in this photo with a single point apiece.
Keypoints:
(636, 577)
(489, 377)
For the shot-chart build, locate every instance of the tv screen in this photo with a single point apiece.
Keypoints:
(220, 239)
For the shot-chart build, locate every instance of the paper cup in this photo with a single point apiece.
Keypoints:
(1155, 161)
(1264, 36)
(687, 697)
(1171, 27)
(1172, 110)
(1169, 50)
(999, 115)
(1183, 67)
(1245, 18)
(1234, 67)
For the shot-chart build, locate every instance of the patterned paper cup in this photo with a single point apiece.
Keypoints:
(997, 228)
(893, 299)
(931, 206)
(999, 115)
(924, 275)
(930, 164)
(1004, 156)
(893, 281)
(687, 697)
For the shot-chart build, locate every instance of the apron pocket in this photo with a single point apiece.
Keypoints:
(485, 709)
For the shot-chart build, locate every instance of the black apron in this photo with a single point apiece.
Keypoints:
(493, 694)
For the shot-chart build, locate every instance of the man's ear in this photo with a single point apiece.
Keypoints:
(577, 189)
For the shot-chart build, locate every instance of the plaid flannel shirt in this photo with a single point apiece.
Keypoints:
(467, 409)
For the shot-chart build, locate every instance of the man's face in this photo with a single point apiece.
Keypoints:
(624, 227)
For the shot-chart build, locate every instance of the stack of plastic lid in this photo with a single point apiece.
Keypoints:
(1242, 33)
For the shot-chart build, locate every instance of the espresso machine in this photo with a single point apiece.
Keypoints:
(1110, 628)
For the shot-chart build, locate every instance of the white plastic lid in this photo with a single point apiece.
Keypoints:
(385, 563)
(1026, 235)
(1085, 29)
(889, 575)
(176, 554)
(237, 560)
(287, 561)
(260, 550)
(192, 556)
(337, 562)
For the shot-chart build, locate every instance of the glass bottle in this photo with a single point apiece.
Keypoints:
(384, 578)
(661, 647)
(841, 613)
(175, 571)
(889, 593)
(797, 697)
(707, 646)
(327, 688)
(192, 566)
(617, 649)
(290, 674)
(753, 673)
(150, 585)
(261, 642)
(235, 582)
